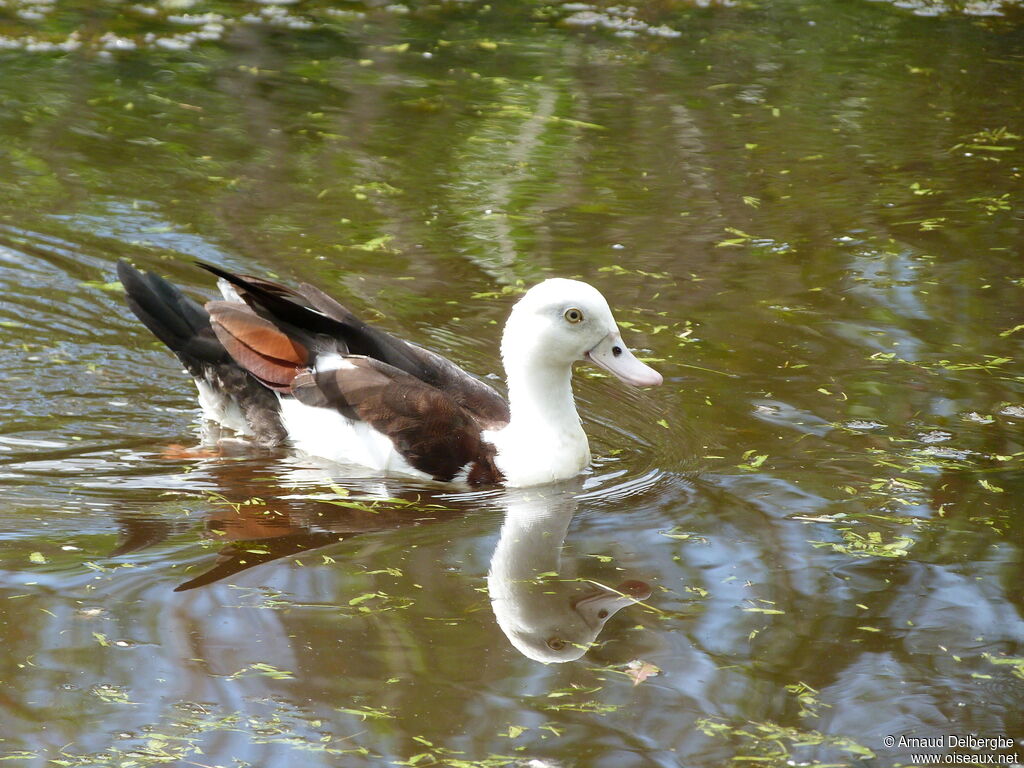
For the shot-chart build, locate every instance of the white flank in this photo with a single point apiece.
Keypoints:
(462, 476)
(328, 434)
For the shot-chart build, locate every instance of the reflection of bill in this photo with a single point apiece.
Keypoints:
(545, 616)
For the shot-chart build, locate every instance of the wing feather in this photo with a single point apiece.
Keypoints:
(257, 345)
(432, 431)
(309, 312)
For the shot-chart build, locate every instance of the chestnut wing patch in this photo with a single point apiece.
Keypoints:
(257, 345)
(428, 427)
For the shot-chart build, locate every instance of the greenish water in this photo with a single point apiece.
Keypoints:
(808, 215)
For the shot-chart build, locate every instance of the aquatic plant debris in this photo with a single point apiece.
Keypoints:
(171, 28)
(638, 671)
(179, 737)
(871, 544)
(773, 744)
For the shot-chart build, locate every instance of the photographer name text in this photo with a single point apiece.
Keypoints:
(950, 741)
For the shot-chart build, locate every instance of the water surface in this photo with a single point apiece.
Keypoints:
(806, 215)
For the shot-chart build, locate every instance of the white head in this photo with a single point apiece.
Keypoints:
(559, 321)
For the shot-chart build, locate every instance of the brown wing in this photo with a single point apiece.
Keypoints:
(309, 312)
(428, 427)
(475, 396)
(472, 394)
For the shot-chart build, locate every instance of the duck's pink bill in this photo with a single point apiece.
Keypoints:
(615, 357)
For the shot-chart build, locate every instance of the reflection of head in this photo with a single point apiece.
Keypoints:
(545, 618)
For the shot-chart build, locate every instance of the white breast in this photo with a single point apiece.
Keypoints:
(539, 455)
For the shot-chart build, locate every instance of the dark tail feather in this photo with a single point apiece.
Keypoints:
(178, 321)
(184, 326)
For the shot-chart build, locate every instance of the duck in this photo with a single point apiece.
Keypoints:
(293, 366)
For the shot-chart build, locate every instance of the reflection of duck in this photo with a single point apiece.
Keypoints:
(546, 618)
(254, 533)
(251, 532)
(283, 364)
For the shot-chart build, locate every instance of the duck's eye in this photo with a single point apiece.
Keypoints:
(556, 643)
(574, 315)
(602, 614)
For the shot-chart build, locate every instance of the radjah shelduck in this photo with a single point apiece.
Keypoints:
(286, 365)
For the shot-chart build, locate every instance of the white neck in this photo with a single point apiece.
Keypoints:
(544, 441)
(540, 393)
